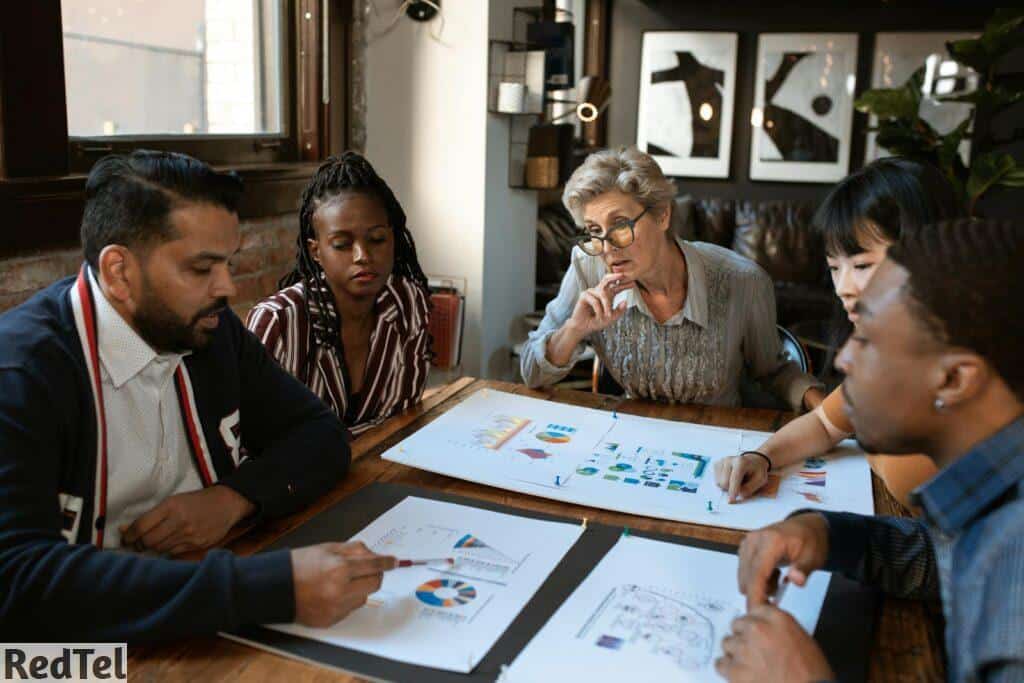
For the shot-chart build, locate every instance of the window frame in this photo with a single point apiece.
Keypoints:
(43, 169)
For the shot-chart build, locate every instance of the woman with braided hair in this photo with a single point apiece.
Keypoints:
(351, 319)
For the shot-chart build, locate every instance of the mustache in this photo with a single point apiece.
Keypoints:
(216, 307)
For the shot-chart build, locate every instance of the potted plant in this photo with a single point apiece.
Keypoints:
(902, 131)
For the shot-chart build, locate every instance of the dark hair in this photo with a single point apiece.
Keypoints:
(350, 173)
(888, 193)
(129, 196)
(967, 287)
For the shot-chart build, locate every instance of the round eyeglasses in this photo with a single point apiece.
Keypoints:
(620, 235)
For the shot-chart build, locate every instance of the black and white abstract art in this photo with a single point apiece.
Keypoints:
(898, 56)
(803, 106)
(687, 88)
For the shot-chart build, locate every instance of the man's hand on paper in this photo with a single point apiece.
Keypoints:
(800, 542)
(767, 645)
(333, 579)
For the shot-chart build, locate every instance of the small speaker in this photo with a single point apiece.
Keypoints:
(422, 11)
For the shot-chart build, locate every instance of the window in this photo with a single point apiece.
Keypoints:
(187, 67)
(258, 86)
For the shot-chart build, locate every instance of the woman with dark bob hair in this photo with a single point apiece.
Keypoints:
(859, 219)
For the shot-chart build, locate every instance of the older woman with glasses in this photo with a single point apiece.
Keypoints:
(671, 320)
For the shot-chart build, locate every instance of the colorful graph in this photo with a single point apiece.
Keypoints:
(554, 437)
(812, 477)
(562, 428)
(445, 593)
(500, 430)
(470, 541)
(699, 462)
(535, 453)
(644, 467)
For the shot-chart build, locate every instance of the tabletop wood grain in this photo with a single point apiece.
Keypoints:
(907, 643)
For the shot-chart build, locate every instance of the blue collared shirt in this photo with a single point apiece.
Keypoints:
(968, 549)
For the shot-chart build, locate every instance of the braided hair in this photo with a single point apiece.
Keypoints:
(966, 287)
(349, 173)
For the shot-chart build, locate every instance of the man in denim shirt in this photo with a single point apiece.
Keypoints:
(933, 366)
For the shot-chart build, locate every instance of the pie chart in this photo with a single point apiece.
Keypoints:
(445, 593)
(553, 437)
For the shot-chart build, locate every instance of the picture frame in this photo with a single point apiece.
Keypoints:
(898, 55)
(686, 102)
(802, 116)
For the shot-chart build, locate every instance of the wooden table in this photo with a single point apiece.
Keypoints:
(907, 640)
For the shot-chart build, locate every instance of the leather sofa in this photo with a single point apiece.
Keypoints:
(778, 235)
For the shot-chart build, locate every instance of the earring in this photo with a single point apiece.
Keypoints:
(939, 404)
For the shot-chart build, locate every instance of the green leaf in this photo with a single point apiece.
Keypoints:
(949, 148)
(1001, 34)
(888, 103)
(1014, 178)
(914, 87)
(993, 99)
(987, 171)
(1006, 15)
(971, 52)
(903, 139)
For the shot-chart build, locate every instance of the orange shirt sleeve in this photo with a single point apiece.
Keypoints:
(833, 410)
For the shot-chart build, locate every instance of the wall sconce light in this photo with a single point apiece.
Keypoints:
(594, 94)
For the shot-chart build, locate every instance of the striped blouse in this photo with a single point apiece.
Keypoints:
(396, 366)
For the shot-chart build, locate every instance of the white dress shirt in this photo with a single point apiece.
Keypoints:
(148, 456)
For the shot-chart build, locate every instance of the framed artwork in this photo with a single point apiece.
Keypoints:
(803, 106)
(898, 56)
(687, 92)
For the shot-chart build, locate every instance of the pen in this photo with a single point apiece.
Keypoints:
(414, 563)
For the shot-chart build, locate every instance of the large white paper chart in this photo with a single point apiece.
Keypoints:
(503, 436)
(652, 607)
(838, 481)
(440, 616)
(637, 465)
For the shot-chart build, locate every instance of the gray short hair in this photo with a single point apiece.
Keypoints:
(625, 169)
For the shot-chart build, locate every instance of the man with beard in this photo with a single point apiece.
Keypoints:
(933, 366)
(137, 413)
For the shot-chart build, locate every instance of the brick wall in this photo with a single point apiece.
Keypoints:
(267, 252)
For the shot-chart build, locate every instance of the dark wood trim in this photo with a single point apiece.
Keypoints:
(307, 97)
(33, 111)
(595, 63)
(218, 150)
(42, 171)
(340, 38)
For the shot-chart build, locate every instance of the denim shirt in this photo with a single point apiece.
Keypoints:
(967, 550)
